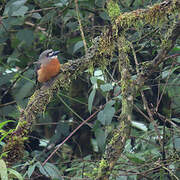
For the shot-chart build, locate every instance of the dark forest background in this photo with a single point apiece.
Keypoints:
(151, 149)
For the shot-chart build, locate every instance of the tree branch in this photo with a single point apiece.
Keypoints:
(102, 46)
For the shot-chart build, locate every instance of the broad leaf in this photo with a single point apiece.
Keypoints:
(26, 36)
(101, 138)
(106, 87)
(105, 116)
(91, 99)
(78, 46)
(53, 171)
(3, 170)
(16, 174)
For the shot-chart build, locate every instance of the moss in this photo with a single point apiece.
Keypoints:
(113, 139)
(32, 97)
(92, 174)
(106, 46)
(103, 165)
(166, 44)
(21, 124)
(155, 15)
(14, 150)
(98, 172)
(113, 9)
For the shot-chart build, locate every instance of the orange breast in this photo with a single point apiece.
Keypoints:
(46, 72)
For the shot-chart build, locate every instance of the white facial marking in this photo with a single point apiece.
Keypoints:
(53, 57)
(50, 54)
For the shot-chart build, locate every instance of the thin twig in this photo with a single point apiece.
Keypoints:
(135, 59)
(164, 87)
(151, 117)
(43, 30)
(174, 34)
(61, 99)
(9, 103)
(139, 110)
(80, 27)
(70, 135)
(40, 10)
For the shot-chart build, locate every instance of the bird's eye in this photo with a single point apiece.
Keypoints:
(50, 54)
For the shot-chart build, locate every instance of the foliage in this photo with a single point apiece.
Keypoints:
(8, 173)
(153, 147)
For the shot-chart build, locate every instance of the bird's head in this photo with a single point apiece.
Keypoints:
(47, 55)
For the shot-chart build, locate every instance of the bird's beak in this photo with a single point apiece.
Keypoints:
(56, 53)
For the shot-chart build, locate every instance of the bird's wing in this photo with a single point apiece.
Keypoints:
(36, 68)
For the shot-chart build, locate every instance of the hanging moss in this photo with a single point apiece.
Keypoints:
(14, 150)
(155, 15)
(113, 9)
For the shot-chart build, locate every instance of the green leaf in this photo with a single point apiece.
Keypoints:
(106, 87)
(15, 173)
(70, 14)
(104, 16)
(177, 120)
(177, 143)
(6, 78)
(3, 37)
(165, 74)
(24, 91)
(100, 138)
(47, 17)
(31, 169)
(15, 21)
(78, 46)
(135, 158)
(105, 116)
(12, 60)
(98, 73)
(15, 8)
(41, 169)
(178, 59)
(110, 103)
(26, 36)
(20, 11)
(59, 4)
(168, 72)
(4, 123)
(132, 177)
(100, 3)
(91, 99)
(88, 158)
(72, 169)
(139, 125)
(93, 80)
(53, 171)
(3, 170)
(6, 133)
(62, 3)
(7, 110)
(36, 16)
(117, 90)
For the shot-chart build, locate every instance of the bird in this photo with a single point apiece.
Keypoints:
(48, 65)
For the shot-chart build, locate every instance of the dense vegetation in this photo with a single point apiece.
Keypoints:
(113, 112)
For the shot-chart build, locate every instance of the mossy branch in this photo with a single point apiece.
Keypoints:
(155, 15)
(40, 99)
(103, 46)
(119, 135)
